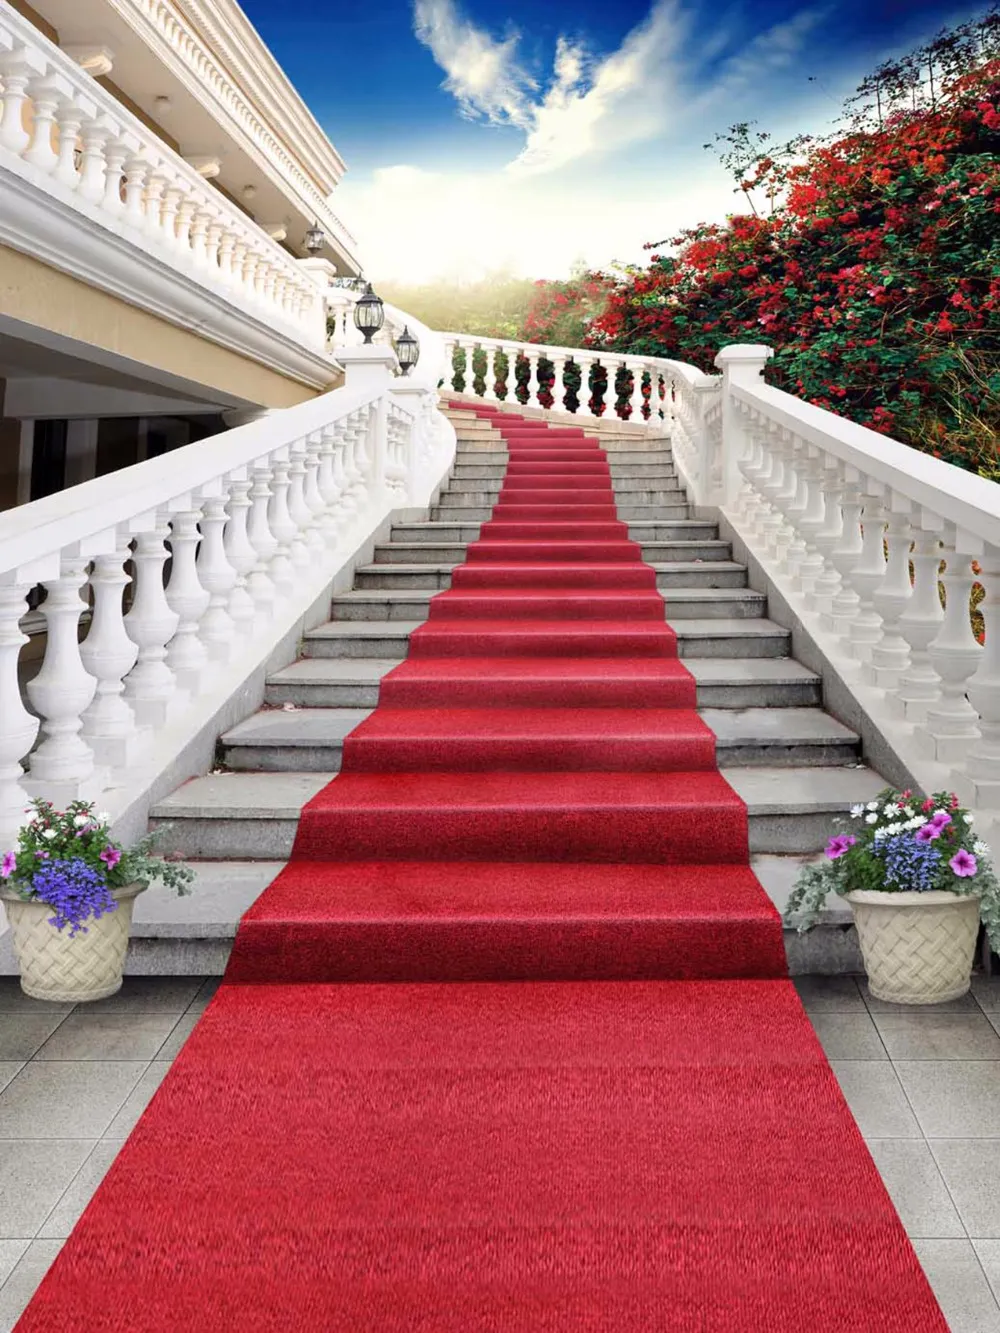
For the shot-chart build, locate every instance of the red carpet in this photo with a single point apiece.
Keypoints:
(508, 1047)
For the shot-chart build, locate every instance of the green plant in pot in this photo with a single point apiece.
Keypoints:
(68, 890)
(919, 880)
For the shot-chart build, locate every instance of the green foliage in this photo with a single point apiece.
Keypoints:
(872, 266)
(494, 307)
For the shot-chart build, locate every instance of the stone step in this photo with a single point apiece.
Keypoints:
(496, 472)
(468, 463)
(253, 816)
(414, 604)
(627, 513)
(276, 740)
(683, 573)
(456, 553)
(453, 530)
(192, 935)
(764, 682)
(481, 491)
(613, 446)
(696, 637)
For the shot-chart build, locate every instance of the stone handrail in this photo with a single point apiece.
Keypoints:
(258, 520)
(64, 135)
(877, 547)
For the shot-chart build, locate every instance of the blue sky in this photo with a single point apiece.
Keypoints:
(527, 134)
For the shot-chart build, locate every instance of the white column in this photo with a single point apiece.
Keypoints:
(18, 728)
(93, 167)
(109, 655)
(70, 116)
(636, 400)
(741, 363)
(846, 555)
(116, 151)
(16, 74)
(62, 690)
(298, 510)
(950, 725)
(45, 94)
(827, 538)
(282, 570)
(150, 686)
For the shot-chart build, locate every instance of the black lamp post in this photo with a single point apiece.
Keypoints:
(407, 350)
(369, 313)
(315, 239)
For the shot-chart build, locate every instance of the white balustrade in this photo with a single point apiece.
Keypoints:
(83, 141)
(135, 692)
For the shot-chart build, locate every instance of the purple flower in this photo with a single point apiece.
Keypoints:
(74, 890)
(928, 832)
(111, 856)
(8, 865)
(964, 864)
(839, 845)
(939, 820)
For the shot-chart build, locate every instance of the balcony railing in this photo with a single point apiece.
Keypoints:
(76, 165)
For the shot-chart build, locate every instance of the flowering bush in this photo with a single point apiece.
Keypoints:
(899, 844)
(66, 858)
(875, 276)
(560, 313)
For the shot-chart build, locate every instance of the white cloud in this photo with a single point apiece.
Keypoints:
(650, 103)
(483, 75)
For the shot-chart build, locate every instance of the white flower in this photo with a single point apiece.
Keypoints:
(49, 834)
(892, 809)
(857, 811)
(969, 819)
(871, 819)
(980, 848)
(908, 812)
(892, 829)
(80, 820)
(882, 832)
(873, 805)
(917, 821)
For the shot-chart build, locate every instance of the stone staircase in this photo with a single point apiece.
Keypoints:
(794, 764)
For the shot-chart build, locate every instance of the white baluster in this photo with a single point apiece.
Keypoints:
(199, 236)
(827, 539)
(62, 690)
(45, 94)
(315, 534)
(950, 725)
(636, 400)
(586, 364)
(775, 490)
(326, 482)
(93, 166)
(811, 522)
(532, 382)
(70, 117)
(282, 568)
(240, 554)
(558, 389)
(891, 655)
(150, 686)
(981, 776)
(920, 685)
(186, 210)
(116, 151)
(18, 728)
(260, 583)
(156, 183)
(16, 73)
(227, 245)
(213, 239)
(186, 655)
(753, 466)
(109, 655)
(865, 577)
(794, 508)
(846, 555)
(218, 576)
(136, 172)
(298, 510)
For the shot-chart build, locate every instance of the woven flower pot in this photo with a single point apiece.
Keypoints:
(56, 966)
(917, 947)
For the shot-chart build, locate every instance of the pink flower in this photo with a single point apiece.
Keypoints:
(8, 865)
(839, 845)
(929, 832)
(111, 856)
(964, 864)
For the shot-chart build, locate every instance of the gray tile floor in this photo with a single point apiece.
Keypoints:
(924, 1086)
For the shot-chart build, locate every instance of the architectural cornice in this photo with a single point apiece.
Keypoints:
(212, 49)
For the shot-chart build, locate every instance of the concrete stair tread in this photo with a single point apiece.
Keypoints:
(333, 670)
(748, 670)
(420, 596)
(776, 726)
(363, 629)
(296, 726)
(266, 796)
(439, 567)
(724, 626)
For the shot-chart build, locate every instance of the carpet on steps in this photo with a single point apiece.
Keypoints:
(507, 1047)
